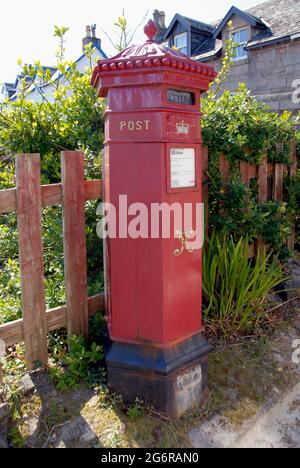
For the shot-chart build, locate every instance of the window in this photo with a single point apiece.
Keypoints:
(240, 38)
(180, 42)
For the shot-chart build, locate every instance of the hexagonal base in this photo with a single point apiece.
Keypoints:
(171, 380)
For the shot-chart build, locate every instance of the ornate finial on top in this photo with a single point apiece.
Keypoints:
(150, 30)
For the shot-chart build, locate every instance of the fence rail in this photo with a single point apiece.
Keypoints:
(27, 200)
(51, 195)
(12, 332)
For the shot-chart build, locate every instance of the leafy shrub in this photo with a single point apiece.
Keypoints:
(244, 129)
(10, 292)
(97, 328)
(77, 364)
(7, 174)
(136, 411)
(292, 198)
(292, 193)
(298, 143)
(71, 119)
(233, 210)
(270, 222)
(235, 287)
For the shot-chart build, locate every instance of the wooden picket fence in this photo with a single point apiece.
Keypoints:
(27, 200)
(269, 178)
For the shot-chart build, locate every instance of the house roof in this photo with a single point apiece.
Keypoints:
(283, 17)
(7, 90)
(58, 75)
(55, 74)
(189, 24)
(199, 25)
(19, 77)
(209, 49)
(245, 15)
(9, 86)
(95, 46)
(277, 20)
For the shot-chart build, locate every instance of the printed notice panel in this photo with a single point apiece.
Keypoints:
(183, 168)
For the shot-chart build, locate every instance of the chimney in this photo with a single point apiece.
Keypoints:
(162, 19)
(159, 18)
(91, 37)
(156, 17)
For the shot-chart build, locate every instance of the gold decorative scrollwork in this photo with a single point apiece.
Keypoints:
(184, 238)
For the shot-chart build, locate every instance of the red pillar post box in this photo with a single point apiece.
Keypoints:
(153, 277)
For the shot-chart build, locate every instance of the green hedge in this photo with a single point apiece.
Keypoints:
(245, 130)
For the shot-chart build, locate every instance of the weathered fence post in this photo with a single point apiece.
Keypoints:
(224, 168)
(73, 198)
(293, 171)
(278, 181)
(262, 191)
(245, 172)
(294, 158)
(29, 214)
(263, 181)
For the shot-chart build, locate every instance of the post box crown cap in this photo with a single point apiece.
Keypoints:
(150, 55)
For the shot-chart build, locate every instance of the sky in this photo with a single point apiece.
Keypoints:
(26, 28)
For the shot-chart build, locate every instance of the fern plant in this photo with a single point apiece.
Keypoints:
(235, 287)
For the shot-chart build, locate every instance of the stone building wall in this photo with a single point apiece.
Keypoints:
(271, 73)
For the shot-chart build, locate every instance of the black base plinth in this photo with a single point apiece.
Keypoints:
(171, 380)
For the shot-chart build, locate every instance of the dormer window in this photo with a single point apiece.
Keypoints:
(240, 39)
(181, 43)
